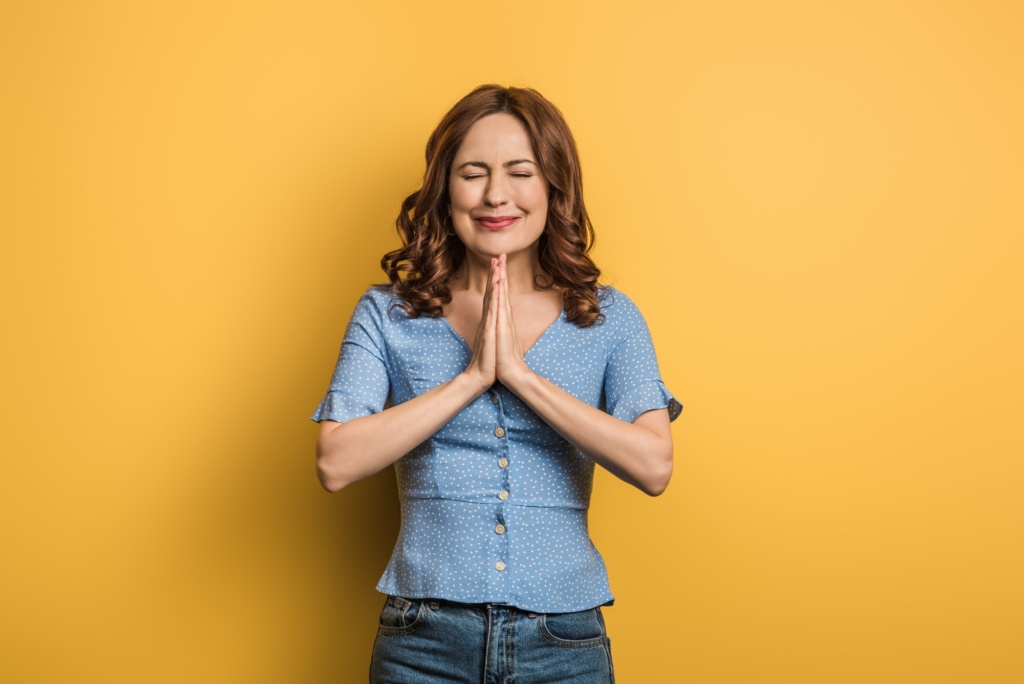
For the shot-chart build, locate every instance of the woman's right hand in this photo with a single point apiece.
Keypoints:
(347, 452)
(482, 367)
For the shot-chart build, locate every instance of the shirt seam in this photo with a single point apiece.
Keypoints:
(507, 502)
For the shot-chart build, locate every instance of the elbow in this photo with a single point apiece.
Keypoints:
(329, 481)
(658, 477)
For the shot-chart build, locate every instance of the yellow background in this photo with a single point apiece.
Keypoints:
(817, 205)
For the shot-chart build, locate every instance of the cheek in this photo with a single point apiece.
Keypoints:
(461, 197)
(534, 198)
(540, 199)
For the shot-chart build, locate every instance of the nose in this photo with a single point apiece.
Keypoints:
(496, 194)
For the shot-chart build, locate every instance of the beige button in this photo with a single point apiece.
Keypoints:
(499, 566)
(499, 528)
(503, 462)
(502, 495)
(494, 398)
(499, 432)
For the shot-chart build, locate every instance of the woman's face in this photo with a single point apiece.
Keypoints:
(499, 199)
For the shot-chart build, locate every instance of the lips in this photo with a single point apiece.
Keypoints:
(496, 222)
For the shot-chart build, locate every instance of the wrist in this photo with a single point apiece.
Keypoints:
(519, 379)
(473, 383)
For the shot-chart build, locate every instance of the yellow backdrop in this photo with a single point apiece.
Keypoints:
(817, 205)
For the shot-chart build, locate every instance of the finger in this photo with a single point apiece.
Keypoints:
(506, 299)
(487, 338)
(494, 284)
(511, 338)
(501, 283)
(497, 284)
(490, 281)
(505, 330)
(494, 299)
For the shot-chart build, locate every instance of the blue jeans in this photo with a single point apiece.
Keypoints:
(423, 641)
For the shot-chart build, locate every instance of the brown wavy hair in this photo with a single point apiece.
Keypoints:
(421, 270)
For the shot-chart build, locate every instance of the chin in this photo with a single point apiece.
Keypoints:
(497, 248)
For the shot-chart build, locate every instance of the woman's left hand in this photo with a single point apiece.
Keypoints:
(639, 452)
(509, 362)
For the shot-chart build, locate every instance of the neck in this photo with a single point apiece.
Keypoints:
(522, 269)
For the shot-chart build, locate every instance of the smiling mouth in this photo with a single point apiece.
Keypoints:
(496, 222)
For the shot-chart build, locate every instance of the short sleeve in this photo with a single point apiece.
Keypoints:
(632, 382)
(359, 385)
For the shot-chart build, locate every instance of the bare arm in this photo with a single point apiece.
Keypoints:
(350, 451)
(639, 453)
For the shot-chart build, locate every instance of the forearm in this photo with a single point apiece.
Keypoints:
(350, 451)
(639, 453)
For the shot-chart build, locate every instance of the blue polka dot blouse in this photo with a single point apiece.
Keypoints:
(494, 505)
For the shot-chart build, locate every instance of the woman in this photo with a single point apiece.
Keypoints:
(494, 372)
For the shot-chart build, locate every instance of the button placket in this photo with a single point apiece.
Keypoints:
(500, 540)
(501, 433)
(500, 543)
(499, 529)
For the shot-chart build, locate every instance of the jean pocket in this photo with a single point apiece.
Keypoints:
(584, 629)
(401, 616)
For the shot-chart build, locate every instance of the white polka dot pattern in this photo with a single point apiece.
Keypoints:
(496, 464)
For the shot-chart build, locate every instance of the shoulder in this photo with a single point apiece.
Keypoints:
(375, 314)
(619, 310)
(380, 303)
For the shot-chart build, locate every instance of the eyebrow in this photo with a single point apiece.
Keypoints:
(507, 164)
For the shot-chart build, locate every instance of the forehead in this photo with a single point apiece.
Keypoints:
(497, 137)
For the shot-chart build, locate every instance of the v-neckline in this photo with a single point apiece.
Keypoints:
(536, 343)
